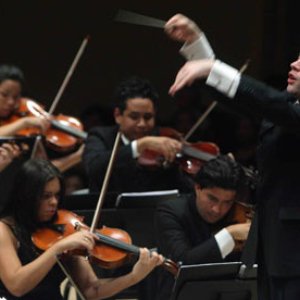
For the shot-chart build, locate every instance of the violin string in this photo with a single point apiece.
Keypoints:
(69, 74)
(118, 244)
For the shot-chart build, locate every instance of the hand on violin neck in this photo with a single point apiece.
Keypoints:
(146, 263)
(166, 146)
(40, 122)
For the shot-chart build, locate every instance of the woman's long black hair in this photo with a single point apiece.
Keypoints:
(27, 191)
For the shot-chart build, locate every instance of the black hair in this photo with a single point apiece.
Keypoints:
(134, 87)
(27, 191)
(222, 172)
(11, 72)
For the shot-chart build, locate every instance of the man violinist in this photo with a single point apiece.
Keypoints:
(134, 115)
(198, 228)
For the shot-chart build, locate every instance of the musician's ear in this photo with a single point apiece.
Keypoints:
(117, 115)
(197, 187)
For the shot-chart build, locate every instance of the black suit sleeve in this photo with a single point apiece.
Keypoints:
(258, 99)
(264, 101)
(275, 106)
(97, 154)
(175, 233)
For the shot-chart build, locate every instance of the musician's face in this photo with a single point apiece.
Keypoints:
(293, 81)
(10, 92)
(213, 203)
(49, 201)
(138, 118)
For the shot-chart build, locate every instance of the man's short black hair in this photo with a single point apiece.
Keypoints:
(134, 87)
(222, 172)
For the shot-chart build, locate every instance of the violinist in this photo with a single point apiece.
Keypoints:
(11, 86)
(26, 272)
(198, 228)
(277, 156)
(134, 114)
(8, 152)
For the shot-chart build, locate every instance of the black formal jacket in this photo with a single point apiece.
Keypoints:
(127, 175)
(278, 156)
(184, 236)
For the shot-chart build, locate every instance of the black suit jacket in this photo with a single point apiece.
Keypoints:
(184, 236)
(278, 157)
(127, 175)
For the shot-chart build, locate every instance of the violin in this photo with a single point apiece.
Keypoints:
(190, 159)
(240, 212)
(65, 134)
(110, 251)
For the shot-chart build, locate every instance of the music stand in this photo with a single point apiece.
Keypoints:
(218, 281)
(145, 199)
(87, 200)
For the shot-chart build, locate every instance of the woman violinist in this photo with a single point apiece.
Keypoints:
(26, 273)
(11, 86)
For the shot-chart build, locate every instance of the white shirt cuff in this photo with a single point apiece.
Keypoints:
(225, 242)
(224, 78)
(135, 153)
(199, 49)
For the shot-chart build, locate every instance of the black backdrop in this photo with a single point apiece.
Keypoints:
(42, 37)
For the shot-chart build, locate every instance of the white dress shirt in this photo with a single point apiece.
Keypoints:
(226, 80)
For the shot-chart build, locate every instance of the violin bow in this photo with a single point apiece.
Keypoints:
(58, 260)
(69, 74)
(61, 90)
(210, 108)
(105, 182)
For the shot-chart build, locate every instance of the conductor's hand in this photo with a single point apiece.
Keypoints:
(181, 28)
(191, 71)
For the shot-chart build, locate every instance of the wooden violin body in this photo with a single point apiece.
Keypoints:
(190, 159)
(111, 250)
(65, 133)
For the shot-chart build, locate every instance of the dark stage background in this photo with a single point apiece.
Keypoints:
(42, 37)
